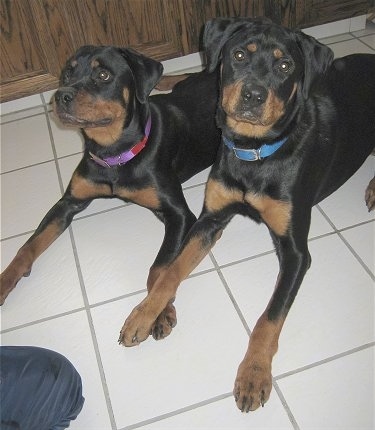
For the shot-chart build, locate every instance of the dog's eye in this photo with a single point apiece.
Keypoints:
(285, 66)
(104, 75)
(239, 55)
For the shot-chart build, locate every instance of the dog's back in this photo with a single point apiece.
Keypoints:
(351, 86)
(189, 113)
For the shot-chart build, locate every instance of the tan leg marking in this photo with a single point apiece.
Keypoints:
(140, 322)
(22, 263)
(254, 379)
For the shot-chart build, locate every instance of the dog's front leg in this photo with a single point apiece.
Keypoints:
(254, 380)
(178, 221)
(197, 244)
(53, 224)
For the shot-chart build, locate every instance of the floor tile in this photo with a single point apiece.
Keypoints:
(333, 311)
(126, 242)
(25, 142)
(337, 395)
(346, 206)
(223, 415)
(32, 191)
(20, 104)
(369, 40)
(243, 238)
(193, 364)
(52, 288)
(70, 335)
(335, 39)
(350, 47)
(362, 239)
(25, 113)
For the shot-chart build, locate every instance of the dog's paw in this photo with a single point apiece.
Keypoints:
(137, 327)
(370, 195)
(164, 323)
(253, 386)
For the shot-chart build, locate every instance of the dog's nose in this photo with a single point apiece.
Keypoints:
(254, 95)
(64, 95)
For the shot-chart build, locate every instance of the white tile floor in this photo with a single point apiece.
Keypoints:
(81, 290)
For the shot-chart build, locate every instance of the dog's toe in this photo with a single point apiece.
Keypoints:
(164, 323)
(370, 195)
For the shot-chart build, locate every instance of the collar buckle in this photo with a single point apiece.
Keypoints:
(253, 154)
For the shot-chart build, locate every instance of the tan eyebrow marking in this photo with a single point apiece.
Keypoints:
(278, 53)
(94, 63)
(252, 47)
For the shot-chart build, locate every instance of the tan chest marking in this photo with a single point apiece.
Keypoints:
(82, 188)
(217, 196)
(275, 213)
(146, 197)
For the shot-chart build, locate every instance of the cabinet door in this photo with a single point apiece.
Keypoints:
(307, 13)
(37, 36)
(25, 68)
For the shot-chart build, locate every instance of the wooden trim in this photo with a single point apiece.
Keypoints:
(27, 86)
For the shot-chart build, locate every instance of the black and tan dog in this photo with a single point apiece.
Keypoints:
(135, 148)
(296, 125)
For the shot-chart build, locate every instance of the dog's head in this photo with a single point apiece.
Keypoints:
(263, 67)
(101, 87)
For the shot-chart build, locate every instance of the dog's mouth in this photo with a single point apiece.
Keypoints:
(68, 119)
(245, 116)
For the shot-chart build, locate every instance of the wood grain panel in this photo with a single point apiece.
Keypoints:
(137, 23)
(20, 48)
(307, 13)
(196, 13)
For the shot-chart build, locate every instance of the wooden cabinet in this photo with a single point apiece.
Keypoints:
(37, 36)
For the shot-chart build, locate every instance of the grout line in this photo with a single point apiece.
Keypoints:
(178, 411)
(4, 120)
(285, 405)
(351, 249)
(230, 294)
(41, 320)
(324, 361)
(26, 167)
(364, 43)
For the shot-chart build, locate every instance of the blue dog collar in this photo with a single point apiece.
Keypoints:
(254, 154)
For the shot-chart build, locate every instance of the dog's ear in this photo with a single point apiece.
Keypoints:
(317, 59)
(218, 30)
(146, 72)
